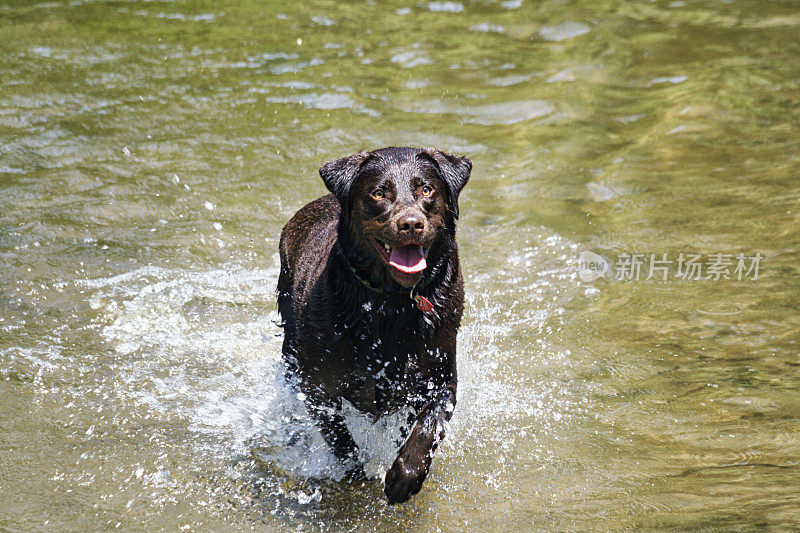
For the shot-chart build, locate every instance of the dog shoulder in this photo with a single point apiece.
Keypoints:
(305, 246)
(312, 228)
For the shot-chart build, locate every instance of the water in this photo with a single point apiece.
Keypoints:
(152, 151)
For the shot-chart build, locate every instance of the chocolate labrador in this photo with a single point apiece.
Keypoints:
(371, 295)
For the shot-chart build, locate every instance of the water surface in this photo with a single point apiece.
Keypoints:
(151, 151)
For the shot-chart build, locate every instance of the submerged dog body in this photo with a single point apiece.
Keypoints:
(371, 296)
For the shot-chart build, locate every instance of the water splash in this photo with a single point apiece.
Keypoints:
(204, 348)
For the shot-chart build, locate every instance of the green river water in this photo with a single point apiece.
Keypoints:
(151, 151)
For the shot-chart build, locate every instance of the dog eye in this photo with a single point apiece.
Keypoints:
(427, 190)
(377, 194)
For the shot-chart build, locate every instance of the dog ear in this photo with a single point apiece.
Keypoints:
(339, 174)
(455, 171)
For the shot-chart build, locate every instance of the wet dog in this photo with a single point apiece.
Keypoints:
(371, 296)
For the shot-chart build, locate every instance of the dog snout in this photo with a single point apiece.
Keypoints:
(411, 223)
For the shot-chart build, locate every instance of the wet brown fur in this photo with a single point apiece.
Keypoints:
(351, 329)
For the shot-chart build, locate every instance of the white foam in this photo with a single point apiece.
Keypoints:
(204, 346)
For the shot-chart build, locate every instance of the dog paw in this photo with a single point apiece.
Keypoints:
(404, 479)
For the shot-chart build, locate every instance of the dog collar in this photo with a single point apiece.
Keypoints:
(423, 304)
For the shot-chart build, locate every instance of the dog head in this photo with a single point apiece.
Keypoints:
(399, 206)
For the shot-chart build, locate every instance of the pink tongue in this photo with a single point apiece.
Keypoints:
(408, 259)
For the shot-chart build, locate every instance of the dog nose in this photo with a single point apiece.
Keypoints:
(411, 223)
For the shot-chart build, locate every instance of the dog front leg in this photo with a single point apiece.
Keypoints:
(331, 424)
(410, 468)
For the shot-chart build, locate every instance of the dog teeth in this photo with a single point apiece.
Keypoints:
(387, 247)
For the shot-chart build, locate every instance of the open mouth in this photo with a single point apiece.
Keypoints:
(408, 258)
